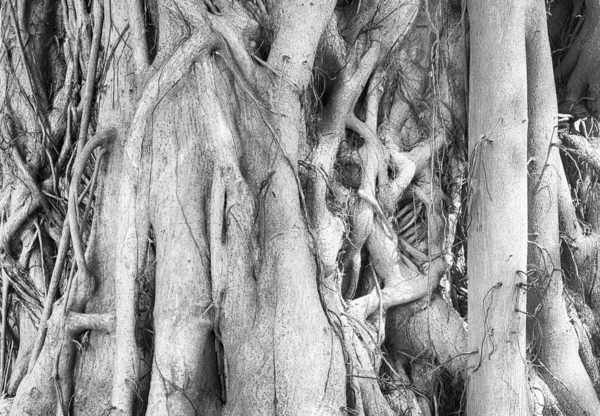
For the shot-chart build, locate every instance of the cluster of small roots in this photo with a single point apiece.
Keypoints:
(50, 167)
(383, 178)
(385, 189)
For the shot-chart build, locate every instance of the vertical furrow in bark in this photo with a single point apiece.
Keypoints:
(553, 334)
(497, 234)
(138, 30)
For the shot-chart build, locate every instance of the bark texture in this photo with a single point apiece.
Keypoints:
(281, 207)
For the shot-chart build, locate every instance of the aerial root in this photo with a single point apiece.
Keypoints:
(80, 322)
(103, 138)
(584, 149)
(364, 360)
(544, 402)
(100, 139)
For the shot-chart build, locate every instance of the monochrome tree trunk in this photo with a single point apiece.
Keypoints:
(314, 207)
(497, 233)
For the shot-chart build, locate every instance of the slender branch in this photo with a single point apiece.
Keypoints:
(35, 89)
(79, 322)
(101, 139)
(138, 29)
(61, 256)
(410, 249)
(17, 30)
(31, 184)
(16, 220)
(90, 78)
(26, 291)
(374, 95)
(374, 160)
(92, 186)
(83, 18)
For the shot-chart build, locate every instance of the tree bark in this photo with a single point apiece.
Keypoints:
(286, 221)
(497, 261)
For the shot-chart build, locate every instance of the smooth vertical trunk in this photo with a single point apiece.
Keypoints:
(497, 261)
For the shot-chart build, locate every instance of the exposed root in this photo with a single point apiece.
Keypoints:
(32, 185)
(40, 394)
(90, 79)
(579, 66)
(584, 149)
(15, 222)
(58, 352)
(586, 351)
(363, 361)
(78, 302)
(543, 401)
(86, 281)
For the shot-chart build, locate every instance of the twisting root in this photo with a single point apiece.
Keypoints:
(90, 79)
(362, 224)
(103, 138)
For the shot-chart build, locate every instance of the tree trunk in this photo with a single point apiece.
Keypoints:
(274, 207)
(497, 262)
